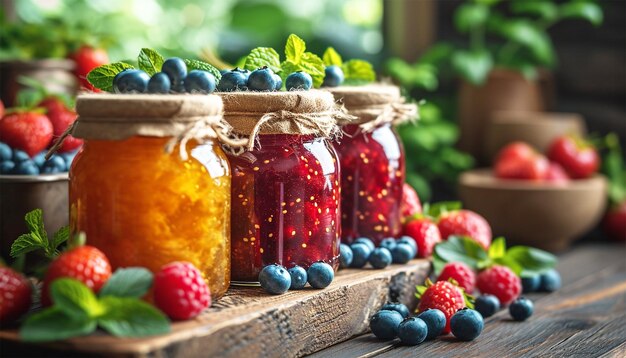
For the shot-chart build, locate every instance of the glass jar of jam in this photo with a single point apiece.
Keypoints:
(372, 162)
(285, 190)
(141, 205)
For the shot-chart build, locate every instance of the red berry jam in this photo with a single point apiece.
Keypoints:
(285, 205)
(372, 175)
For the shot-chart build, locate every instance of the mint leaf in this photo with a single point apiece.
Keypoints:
(497, 248)
(34, 222)
(102, 77)
(60, 237)
(131, 317)
(53, 324)
(150, 61)
(26, 243)
(461, 249)
(510, 263)
(201, 65)
(332, 58)
(358, 71)
(532, 261)
(75, 299)
(263, 56)
(128, 282)
(473, 66)
(36, 239)
(294, 49)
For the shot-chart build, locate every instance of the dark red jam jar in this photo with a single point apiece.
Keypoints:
(285, 190)
(372, 163)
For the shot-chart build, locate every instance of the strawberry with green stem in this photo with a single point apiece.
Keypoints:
(445, 296)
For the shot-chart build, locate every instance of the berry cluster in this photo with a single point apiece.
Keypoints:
(18, 162)
(276, 279)
(363, 250)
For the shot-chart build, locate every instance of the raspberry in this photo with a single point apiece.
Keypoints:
(461, 273)
(443, 296)
(180, 291)
(501, 282)
(15, 295)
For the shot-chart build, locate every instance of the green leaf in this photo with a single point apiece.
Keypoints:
(532, 37)
(358, 71)
(102, 77)
(470, 16)
(150, 61)
(613, 167)
(294, 49)
(497, 248)
(128, 282)
(510, 263)
(201, 65)
(461, 249)
(473, 66)
(546, 10)
(487, 2)
(585, 10)
(263, 56)
(53, 324)
(531, 260)
(441, 207)
(314, 66)
(75, 299)
(34, 222)
(28, 98)
(332, 57)
(131, 317)
(26, 243)
(60, 237)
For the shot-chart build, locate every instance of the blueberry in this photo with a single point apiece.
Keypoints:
(275, 279)
(68, 158)
(398, 307)
(27, 167)
(367, 242)
(198, 81)
(333, 76)
(435, 320)
(159, 83)
(298, 277)
(320, 275)
(389, 243)
(261, 80)
(385, 324)
(345, 256)
(5, 152)
(412, 331)
(402, 253)
(521, 309)
(40, 158)
(466, 324)
(20, 156)
(409, 241)
(550, 281)
(55, 164)
(6, 167)
(487, 305)
(530, 283)
(176, 69)
(278, 81)
(380, 258)
(224, 71)
(131, 81)
(233, 81)
(360, 254)
(299, 81)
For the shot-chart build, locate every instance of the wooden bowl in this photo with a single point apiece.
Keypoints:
(541, 214)
(538, 129)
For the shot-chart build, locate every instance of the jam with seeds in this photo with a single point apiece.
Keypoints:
(285, 205)
(372, 176)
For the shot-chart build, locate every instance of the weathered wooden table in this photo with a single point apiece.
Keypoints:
(585, 318)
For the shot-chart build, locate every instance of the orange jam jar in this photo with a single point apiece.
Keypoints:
(141, 205)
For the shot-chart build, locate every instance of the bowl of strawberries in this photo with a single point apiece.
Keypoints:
(543, 200)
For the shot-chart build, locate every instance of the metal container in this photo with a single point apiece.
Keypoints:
(20, 194)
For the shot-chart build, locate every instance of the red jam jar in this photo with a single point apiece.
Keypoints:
(285, 190)
(372, 162)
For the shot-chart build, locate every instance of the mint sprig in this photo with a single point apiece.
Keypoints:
(128, 282)
(37, 238)
(263, 56)
(150, 61)
(201, 65)
(332, 58)
(358, 72)
(101, 77)
(299, 60)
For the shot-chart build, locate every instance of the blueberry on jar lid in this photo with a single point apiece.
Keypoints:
(159, 83)
(299, 81)
(262, 80)
(333, 76)
(176, 69)
(198, 81)
(233, 81)
(131, 81)
(279, 82)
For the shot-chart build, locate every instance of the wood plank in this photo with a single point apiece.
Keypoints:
(590, 304)
(247, 322)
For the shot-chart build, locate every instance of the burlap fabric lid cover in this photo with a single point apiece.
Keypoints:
(182, 117)
(374, 105)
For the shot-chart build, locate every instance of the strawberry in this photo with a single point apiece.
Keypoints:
(425, 233)
(556, 173)
(442, 295)
(410, 204)
(519, 160)
(87, 58)
(465, 223)
(86, 264)
(180, 291)
(29, 131)
(578, 157)
(461, 273)
(501, 282)
(15, 295)
(61, 118)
